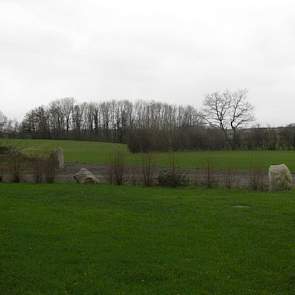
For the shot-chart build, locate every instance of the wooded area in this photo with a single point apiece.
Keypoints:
(223, 122)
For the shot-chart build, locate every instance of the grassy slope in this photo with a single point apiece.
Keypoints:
(99, 153)
(71, 239)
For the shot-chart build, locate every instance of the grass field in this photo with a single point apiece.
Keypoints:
(99, 153)
(71, 239)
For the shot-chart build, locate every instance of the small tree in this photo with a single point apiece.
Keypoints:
(209, 178)
(147, 169)
(51, 165)
(15, 162)
(117, 168)
(38, 164)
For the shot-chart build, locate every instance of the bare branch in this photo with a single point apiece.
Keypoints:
(228, 111)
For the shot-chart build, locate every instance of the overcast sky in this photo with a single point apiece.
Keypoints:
(173, 51)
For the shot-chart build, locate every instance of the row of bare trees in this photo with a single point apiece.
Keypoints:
(221, 123)
(108, 121)
(149, 174)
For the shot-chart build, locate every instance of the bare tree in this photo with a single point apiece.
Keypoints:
(147, 168)
(228, 111)
(3, 121)
(67, 108)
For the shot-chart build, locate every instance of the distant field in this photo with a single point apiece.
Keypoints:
(73, 239)
(99, 153)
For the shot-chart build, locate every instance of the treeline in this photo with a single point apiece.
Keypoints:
(221, 123)
(105, 121)
(210, 138)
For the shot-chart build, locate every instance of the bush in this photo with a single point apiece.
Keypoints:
(4, 150)
(229, 178)
(209, 180)
(44, 167)
(16, 160)
(147, 140)
(172, 178)
(50, 168)
(116, 169)
(38, 168)
(147, 169)
(257, 180)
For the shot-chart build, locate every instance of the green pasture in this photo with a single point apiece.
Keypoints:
(100, 153)
(73, 239)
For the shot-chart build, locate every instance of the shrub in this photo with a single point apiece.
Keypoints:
(229, 178)
(172, 178)
(116, 169)
(148, 139)
(147, 169)
(209, 180)
(50, 168)
(38, 168)
(257, 180)
(43, 167)
(15, 159)
(4, 150)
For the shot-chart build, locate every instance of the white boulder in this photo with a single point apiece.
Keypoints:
(84, 176)
(280, 178)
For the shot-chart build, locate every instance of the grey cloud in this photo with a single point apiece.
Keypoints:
(168, 50)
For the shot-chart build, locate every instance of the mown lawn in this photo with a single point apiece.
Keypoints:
(73, 239)
(100, 153)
